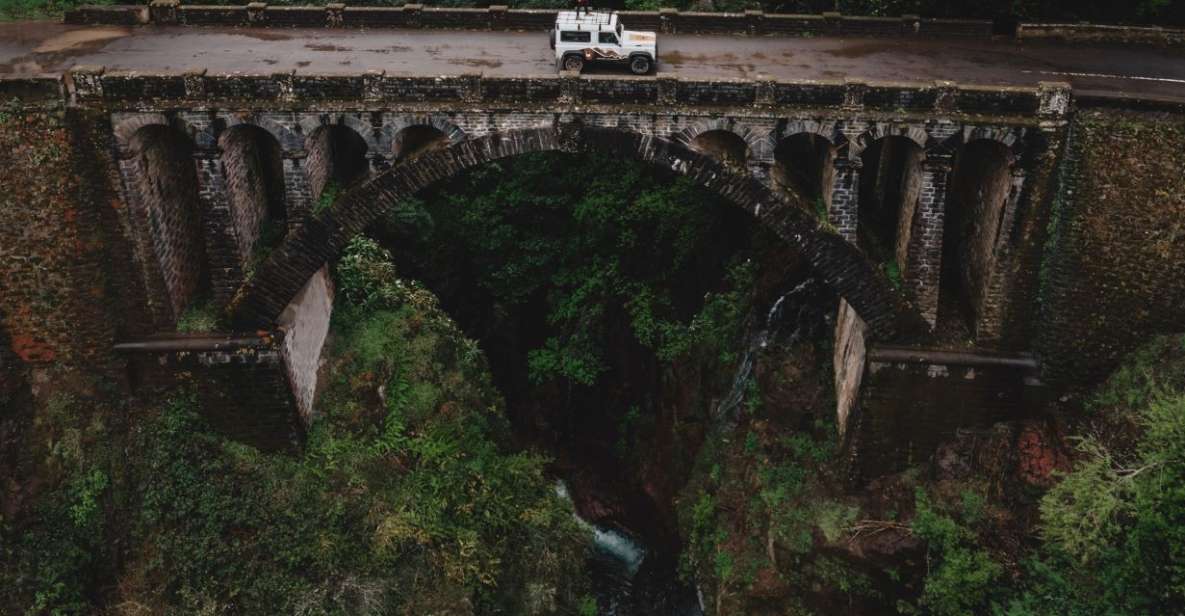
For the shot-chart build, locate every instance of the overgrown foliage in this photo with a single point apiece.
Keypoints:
(598, 244)
(404, 501)
(961, 576)
(1113, 530)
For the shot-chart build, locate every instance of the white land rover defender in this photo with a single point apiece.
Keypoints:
(599, 37)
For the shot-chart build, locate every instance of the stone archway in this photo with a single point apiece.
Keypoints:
(262, 299)
(158, 171)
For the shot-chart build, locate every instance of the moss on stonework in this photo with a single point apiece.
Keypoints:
(1113, 267)
(201, 316)
(40, 244)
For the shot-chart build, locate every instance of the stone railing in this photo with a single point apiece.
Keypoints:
(1095, 33)
(94, 85)
(504, 18)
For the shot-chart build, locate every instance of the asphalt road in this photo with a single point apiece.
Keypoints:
(32, 47)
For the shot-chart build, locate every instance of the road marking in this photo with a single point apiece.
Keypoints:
(1104, 75)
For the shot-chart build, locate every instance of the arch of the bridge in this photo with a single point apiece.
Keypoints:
(276, 282)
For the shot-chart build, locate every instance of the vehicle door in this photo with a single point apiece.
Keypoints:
(609, 45)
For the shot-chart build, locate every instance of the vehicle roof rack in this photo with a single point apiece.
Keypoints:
(594, 21)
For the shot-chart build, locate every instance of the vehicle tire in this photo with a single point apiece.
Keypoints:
(551, 38)
(573, 62)
(640, 65)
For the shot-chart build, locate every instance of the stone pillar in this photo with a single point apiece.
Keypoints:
(845, 197)
(922, 271)
(372, 85)
(335, 15)
(222, 246)
(298, 191)
(570, 86)
(848, 363)
(160, 305)
(667, 17)
(668, 88)
(989, 328)
(164, 12)
(86, 82)
(256, 13)
(305, 324)
(754, 20)
(498, 13)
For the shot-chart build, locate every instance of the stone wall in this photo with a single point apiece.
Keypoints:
(1114, 270)
(753, 22)
(108, 15)
(243, 386)
(94, 85)
(252, 166)
(305, 323)
(912, 400)
(1098, 33)
(848, 364)
(982, 187)
(56, 300)
(165, 181)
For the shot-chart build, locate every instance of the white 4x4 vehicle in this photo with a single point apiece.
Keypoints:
(599, 37)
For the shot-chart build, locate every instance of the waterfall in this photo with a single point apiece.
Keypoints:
(612, 543)
(759, 339)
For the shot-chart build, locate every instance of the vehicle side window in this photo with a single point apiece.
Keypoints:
(575, 37)
(608, 38)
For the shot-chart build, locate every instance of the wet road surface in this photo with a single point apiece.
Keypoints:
(33, 47)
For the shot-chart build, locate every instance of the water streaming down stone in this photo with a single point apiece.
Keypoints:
(801, 298)
(614, 566)
(629, 578)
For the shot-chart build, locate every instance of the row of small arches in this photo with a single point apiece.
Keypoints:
(338, 154)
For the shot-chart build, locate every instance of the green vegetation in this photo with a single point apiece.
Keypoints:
(599, 244)
(762, 504)
(403, 502)
(41, 9)
(329, 194)
(961, 576)
(201, 316)
(1113, 530)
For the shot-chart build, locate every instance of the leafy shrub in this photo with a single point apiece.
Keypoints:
(1114, 527)
(961, 577)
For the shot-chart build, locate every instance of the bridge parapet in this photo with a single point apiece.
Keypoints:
(95, 85)
(501, 17)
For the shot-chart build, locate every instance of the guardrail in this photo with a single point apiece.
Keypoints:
(258, 14)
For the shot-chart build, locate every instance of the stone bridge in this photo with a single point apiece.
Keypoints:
(912, 200)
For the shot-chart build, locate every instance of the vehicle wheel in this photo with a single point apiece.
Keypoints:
(573, 63)
(551, 38)
(640, 65)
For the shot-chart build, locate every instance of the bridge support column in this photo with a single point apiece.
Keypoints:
(848, 363)
(922, 271)
(305, 323)
(222, 247)
(989, 329)
(160, 304)
(298, 192)
(845, 197)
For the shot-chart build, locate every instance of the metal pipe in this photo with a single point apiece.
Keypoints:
(192, 344)
(926, 356)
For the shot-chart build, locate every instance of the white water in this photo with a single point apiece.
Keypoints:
(726, 410)
(608, 541)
